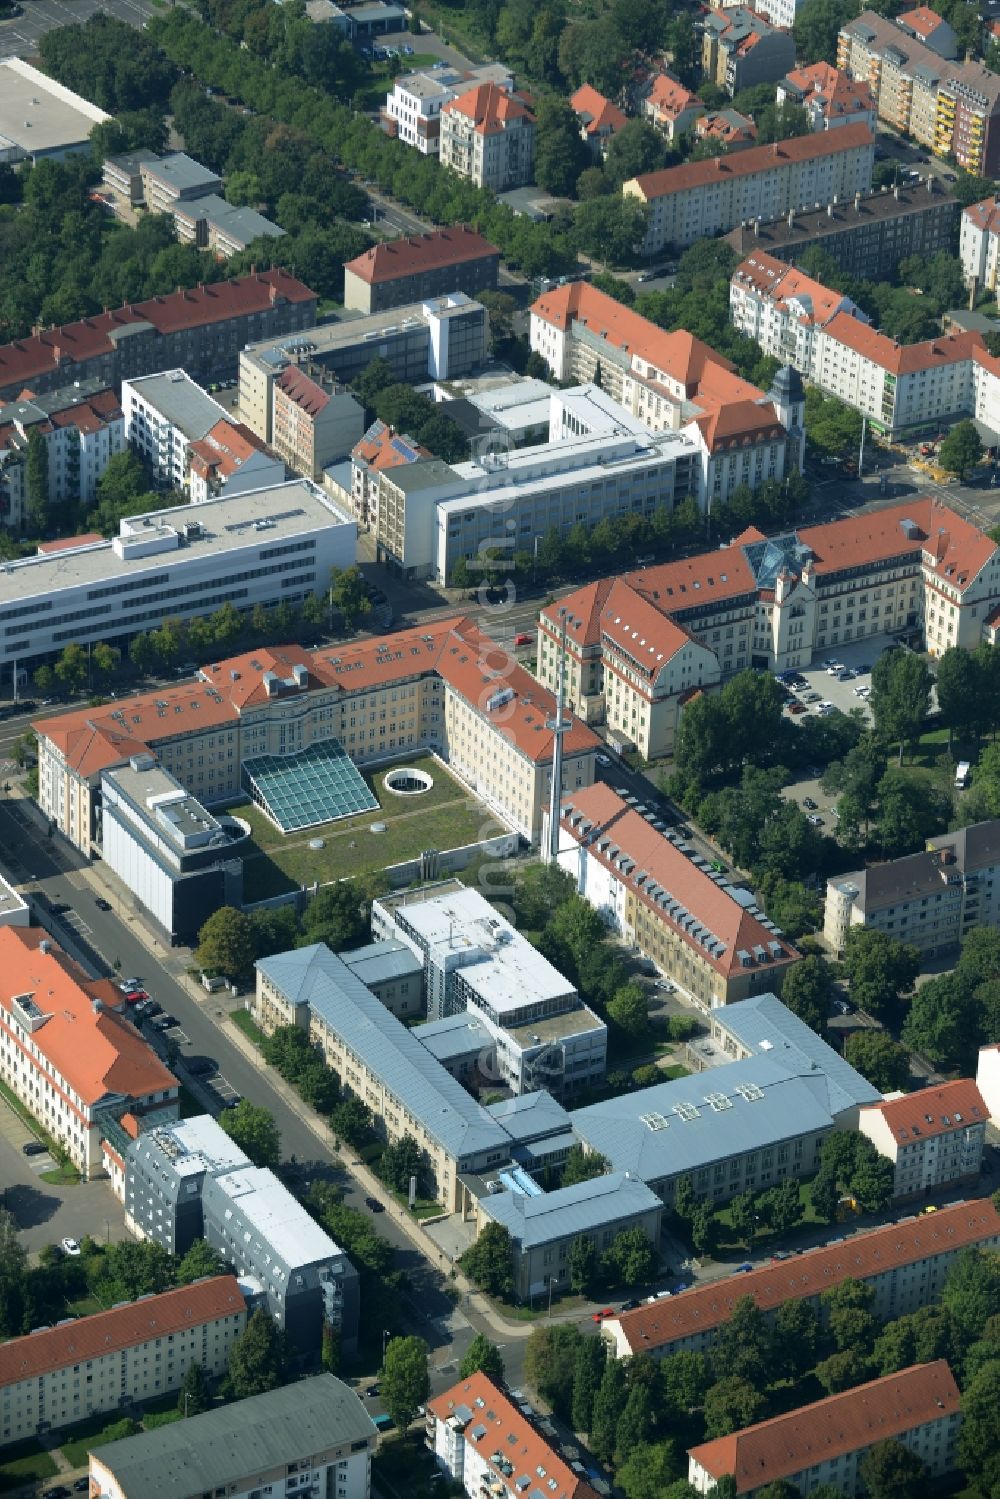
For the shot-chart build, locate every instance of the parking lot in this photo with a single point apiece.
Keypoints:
(46, 1212)
(20, 35)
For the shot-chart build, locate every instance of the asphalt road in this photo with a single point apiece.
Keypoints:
(19, 36)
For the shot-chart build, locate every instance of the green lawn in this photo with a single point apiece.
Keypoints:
(444, 817)
(61, 1176)
(423, 1207)
(23, 1464)
(85, 1306)
(245, 1022)
(82, 1438)
(728, 1242)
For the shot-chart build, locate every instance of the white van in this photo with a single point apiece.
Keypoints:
(963, 774)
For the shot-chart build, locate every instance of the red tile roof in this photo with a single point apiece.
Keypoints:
(507, 1431)
(874, 1252)
(197, 307)
(67, 543)
(933, 1111)
(902, 359)
(490, 106)
(747, 163)
(922, 20)
(959, 549)
(985, 215)
(836, 91)
(91, 739)
(420, 253)
(383, 448)
(93, 1049)
(123, 1327)
(599, 115)
(606, 815)
(671, 98)
(301, 388)
(858, 1418)
(225, 448)
(726, 125)
(782, 284)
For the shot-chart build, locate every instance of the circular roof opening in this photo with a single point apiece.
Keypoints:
(406, 781)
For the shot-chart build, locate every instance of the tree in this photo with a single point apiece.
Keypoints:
(349, 594)
(13, 1268)
(971, 1292)
(609, 1405)
(105, 658)
(648, 1470)
(550, 1364)
(257, 1358)
(400, 1161)
(612, 228)
(200, 1260)
(959, 688)
(560, 154)
(633, 150)
(483, 1355)
(900, 696)
(731, 1404)
(226, 945)
(961, 449)
(588, 1367)
(743, 1217)
(351, 1120)
(71, 667)
(490, 1262)
(978, 1448)
(843, 1370)
(629, 1010)
(194, 1396)
(892, 1471)
(635, 1424)
(37, 482)
(744, 1345)
(879, 970)
(684, 1379)
(254, 1131)
(807, 990)
(337, 915)
(781, 1207)
(405, 1379)
(630, 1259)
(583, 1264)
(941, 1021)
(881, 1060)
(796, 1338)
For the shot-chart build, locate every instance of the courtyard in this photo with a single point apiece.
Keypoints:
(444, 816)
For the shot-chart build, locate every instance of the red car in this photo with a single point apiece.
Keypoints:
(134, 995)
(597, 1316)
(523, 638)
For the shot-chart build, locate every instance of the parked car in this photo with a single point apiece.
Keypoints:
(127, 985)
(523, 637)
(842, 1007)
(815, 820)
(202, 1066)
(630, 1306)
(101, 903)
(796, 708)
(373, 1390)
(32, 1147)
(164, 1022)
(70, 1247)
(135, 996)
(373, 1204)
(743, 1269)
(808, 802)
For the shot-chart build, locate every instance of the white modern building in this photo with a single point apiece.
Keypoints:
(599, 460)
(307, 1438)
(413, 109)
(476, 963)
(167, 417)
(82, 427)
(701, 199)
(14, 909)
(979, 244)
(39, 118)
(260, 547)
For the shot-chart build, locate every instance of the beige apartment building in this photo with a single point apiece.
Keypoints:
(445, 687)
(488, 135)
(678, 912)
(402, 272)
(934, 1138)
(702, 199)
(931, 900)
(113, 1360)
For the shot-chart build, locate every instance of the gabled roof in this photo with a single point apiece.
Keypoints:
(597, 817)
(583, 1208)
(834, 91)
(383, 448)
(396, 258)
(636, 627)
(789, 289)
(95, 1051)
(671, 98)
(121, 1328)
(902, 359)
(225, 448)
(491, 1423)
(985, 215)
(301, 388)
(922, 20)
(874, 1251)
(848, 1422)
(652, 185)
(599, 115)
(933, 1111)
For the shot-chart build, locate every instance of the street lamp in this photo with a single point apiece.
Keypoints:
(386, 1335)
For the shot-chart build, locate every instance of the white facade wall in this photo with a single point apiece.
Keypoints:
(347, 1478)
(258, 471)
(153, 435)
(139, 872)
(978, 252)
(932, 1161)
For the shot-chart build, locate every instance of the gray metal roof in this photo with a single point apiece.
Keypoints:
(380, 962)
(583, 1208)
(180, 401)
(531, 1116)
(239, 223)
(643, 1134)
(767, 1027)
(315, 976)
(453, 1037)
(180, 171)
(211, 1451)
